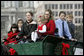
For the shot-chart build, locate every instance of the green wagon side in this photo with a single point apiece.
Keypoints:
(46, 47)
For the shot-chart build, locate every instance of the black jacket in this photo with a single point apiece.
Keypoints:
(71, 28)
(27, 28)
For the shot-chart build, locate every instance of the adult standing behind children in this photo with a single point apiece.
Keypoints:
(28, 27)
(50, 25)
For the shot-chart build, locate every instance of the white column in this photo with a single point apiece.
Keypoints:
(73, 13)
(13, 19)
(9, 26)
(13, 3)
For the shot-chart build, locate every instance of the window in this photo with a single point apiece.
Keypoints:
(64, 6)
(31, 4)
(79, 20)
(78, 6)
(2, 3)
(60, 6)
(53, 13)
(56, 14)
(49, 6)
(56, 6)
(79, 13)
(12, 3)
(67, 6)
(72, 12)
(71, 6)
(20, 4)
(75, 6)
(68, 12)
(75, 13)
(81, 6)
(45, 6)
(75, 20)
(52, 6)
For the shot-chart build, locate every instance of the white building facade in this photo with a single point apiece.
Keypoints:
(73, 7)
(11, 11)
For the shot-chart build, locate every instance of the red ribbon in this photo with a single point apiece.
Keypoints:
(40, 16)
(64, 48)
(12, 51)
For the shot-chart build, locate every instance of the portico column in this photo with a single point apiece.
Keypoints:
(9, 26)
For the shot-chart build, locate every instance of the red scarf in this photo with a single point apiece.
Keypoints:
(40, 27)
(12, 51)
(64, 48)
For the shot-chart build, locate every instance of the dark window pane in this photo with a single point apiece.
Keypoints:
(78, 13)
(60, 6)
(53, 13)
(71, 12)
(56, 6)
(64, 6)
(45, 6)
(56, 13)
(79, 20)
(49, 6)
(68, 12)
(52, 6)
(81, 6)
(75, 20)
(67, 6)
(20, 4)
(75, 13)
(78, 6)
(71, 6)
(75, 6)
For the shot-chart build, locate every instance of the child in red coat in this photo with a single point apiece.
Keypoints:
(41, 24)
(12, 35)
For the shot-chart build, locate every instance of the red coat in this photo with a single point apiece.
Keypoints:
(50, 28)
(10, 39)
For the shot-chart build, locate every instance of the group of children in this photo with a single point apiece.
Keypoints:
(14, 31)
(16, 28)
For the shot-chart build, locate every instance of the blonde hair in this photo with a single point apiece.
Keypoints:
(41, 18)
(70, 16)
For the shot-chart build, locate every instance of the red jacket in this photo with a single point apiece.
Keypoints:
(50, 28)
(10, 39)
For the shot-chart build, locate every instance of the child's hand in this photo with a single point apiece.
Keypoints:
(3, 40)
(73, 39)
(63, 37)
(25, 37)
(17, 36)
